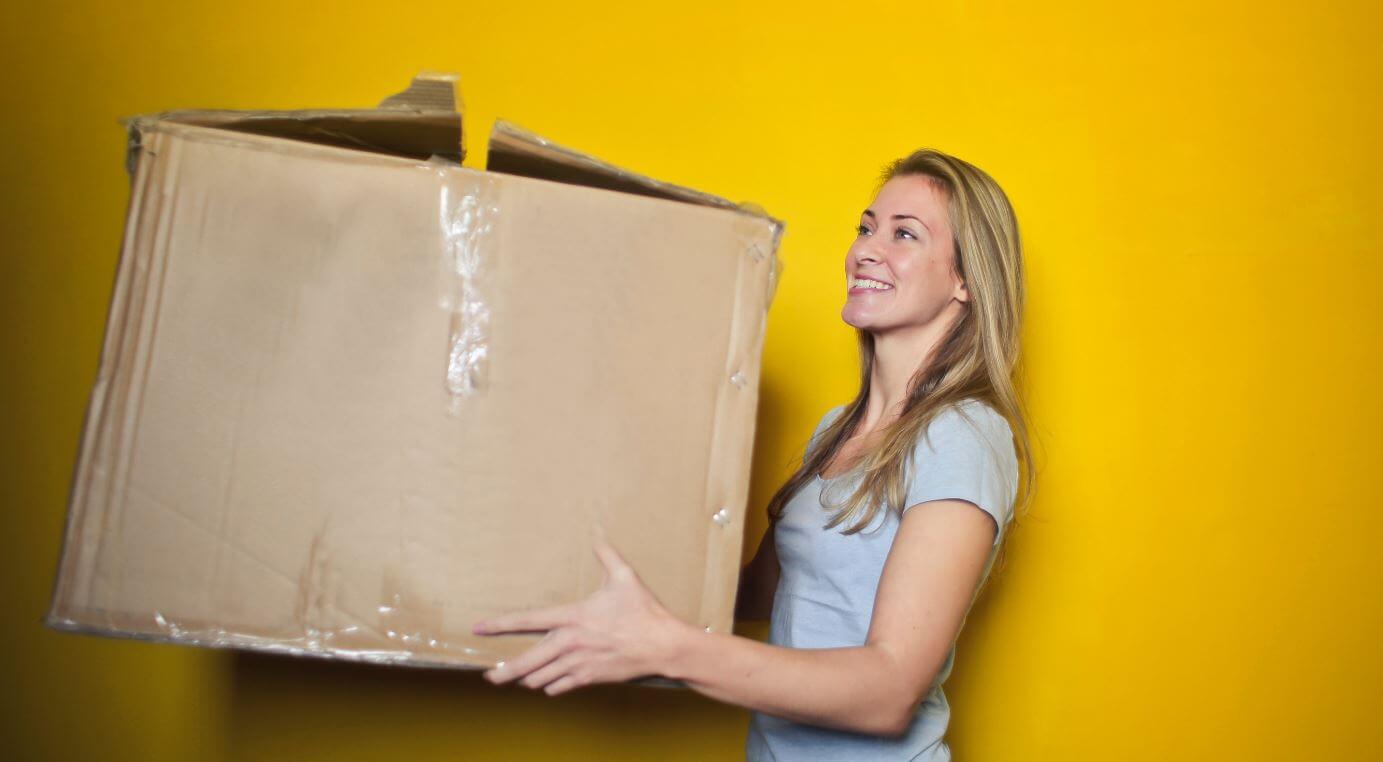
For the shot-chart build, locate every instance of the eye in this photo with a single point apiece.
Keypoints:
(862, 230)
(905, 232)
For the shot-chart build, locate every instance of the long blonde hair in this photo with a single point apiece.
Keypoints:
(978, 358)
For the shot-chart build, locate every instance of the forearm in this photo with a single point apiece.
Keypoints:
(856, 689)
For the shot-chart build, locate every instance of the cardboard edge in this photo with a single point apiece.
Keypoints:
(429, 91)
(334, 657)
(71, 626)
(516, 150)
(734, 424)
(100, 398)
(431, 101)
(204, 133)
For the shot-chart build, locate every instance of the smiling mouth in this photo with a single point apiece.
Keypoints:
(866, 284)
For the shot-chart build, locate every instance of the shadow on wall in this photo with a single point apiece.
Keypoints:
(378, 709)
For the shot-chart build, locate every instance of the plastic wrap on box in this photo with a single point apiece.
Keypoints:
(353, 398)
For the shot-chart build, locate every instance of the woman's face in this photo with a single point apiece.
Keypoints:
(900, 270)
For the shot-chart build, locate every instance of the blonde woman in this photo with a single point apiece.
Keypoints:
(880, 542)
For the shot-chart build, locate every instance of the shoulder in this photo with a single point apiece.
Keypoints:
(972, 418)
(971, 433)
(967, 453)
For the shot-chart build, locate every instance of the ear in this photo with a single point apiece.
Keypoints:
(961, 294)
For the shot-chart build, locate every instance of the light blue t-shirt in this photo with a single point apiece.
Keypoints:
(827, 583)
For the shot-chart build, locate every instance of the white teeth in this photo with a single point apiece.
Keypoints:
(866, 283)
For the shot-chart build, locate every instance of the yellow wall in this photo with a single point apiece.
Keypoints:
(1200, 576)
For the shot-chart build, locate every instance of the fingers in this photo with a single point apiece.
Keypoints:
(540, 654)
(610, 558)
(535, 620)
(553, 670)
(563, 684)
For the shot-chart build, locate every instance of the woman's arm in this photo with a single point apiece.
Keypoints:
(622, 632)
(759, 581)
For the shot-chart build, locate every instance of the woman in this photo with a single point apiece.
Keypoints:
(875, 549)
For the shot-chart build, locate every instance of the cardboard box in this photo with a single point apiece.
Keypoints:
(354, 397)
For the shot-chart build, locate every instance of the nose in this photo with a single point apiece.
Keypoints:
(865, 254)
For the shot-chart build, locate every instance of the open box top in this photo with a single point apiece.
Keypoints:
(420, 122)
(425, 121)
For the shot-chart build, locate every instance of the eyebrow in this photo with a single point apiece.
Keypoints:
(903, 217)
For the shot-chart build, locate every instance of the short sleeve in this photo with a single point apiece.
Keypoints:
(967, 455)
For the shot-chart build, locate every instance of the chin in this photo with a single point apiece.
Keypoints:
(857, 319)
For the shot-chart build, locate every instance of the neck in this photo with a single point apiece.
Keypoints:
(899, 355)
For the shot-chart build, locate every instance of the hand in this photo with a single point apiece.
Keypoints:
(619, 633)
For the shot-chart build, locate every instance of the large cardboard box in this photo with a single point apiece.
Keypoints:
(354, 396)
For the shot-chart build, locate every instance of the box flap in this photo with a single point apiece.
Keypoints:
(516, 151)
(419, 122)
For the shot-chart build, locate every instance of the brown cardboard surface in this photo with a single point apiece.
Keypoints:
(273, 458)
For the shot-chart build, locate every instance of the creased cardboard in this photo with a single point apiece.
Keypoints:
(274, 457)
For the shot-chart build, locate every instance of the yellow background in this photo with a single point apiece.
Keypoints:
(1199, 578)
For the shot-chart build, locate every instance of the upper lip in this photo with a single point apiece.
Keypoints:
(862, 276)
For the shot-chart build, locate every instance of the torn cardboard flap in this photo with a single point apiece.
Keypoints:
(429, 91)
(422, 121)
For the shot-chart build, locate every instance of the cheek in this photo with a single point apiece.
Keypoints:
(913, 275)
(924, 284)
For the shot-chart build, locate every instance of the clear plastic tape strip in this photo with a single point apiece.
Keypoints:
(467, 212)
(448, 656)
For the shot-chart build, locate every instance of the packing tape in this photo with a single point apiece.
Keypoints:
(466, 209)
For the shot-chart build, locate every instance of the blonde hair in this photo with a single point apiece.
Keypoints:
(978, 358)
